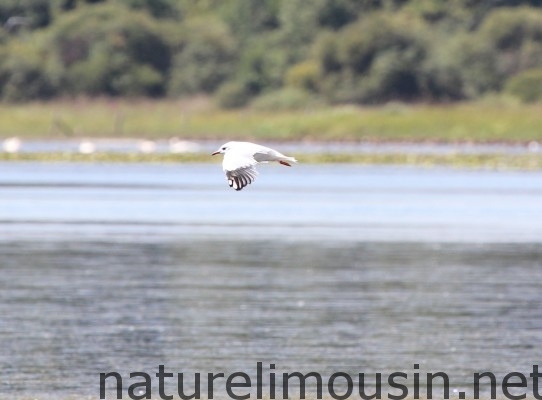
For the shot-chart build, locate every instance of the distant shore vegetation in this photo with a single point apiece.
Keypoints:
(491, 119)
(272, 54)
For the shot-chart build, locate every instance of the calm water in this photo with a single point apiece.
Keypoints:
(316, 268)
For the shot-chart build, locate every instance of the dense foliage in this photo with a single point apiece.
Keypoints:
(286, 52)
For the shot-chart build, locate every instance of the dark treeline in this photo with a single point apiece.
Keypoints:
(283, 51)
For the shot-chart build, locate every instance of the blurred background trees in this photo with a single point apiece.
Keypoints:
(274, 53)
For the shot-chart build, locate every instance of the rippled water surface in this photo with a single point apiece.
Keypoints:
(321, 268)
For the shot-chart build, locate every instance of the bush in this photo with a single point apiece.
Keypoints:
(442, 73)
(109, 49)
(27, 14)
(286, 99)
(204, 58)
(515, 34)
(139, 80)
(509, 28)
(233, 95)
(247, 18)
(338, 13)
(263, 64)
(305, 75)
(365, 51)
(298, 27)
(157, 8)
(375, 60)
(469, 67)
(527, 86)
(23, 73)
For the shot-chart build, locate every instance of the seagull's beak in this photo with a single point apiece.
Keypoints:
(215, 153)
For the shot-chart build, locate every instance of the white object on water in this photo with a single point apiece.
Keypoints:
(11, 145)
(534, 147)
(240, 159)
(147, 146)
(182, 146)
(87, 147)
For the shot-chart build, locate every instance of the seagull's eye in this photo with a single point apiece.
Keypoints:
(223, 148)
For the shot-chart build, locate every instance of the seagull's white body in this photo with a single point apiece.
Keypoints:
(240, 159)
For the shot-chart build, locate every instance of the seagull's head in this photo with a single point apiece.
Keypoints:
(223, 149)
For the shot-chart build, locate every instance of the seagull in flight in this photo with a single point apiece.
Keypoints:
(240, 159)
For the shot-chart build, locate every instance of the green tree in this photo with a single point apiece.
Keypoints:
(19, 15)
(516, 36)
(366, 51)
(108, 49)
(24, 72)
(376, 59)
(204, 57)
(157, 8)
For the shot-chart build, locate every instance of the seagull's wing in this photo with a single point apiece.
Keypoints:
(265, 154)
(241, 177)
(240, 169)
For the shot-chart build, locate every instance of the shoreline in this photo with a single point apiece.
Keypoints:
(527, 162)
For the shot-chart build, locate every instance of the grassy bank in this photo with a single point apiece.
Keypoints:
(484, 161)
(198, 119)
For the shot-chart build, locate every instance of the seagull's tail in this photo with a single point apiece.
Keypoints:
(287, 160)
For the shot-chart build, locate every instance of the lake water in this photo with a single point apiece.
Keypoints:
(314, 268)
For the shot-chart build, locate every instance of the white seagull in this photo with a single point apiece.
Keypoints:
(240, 159)
(11, 145)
